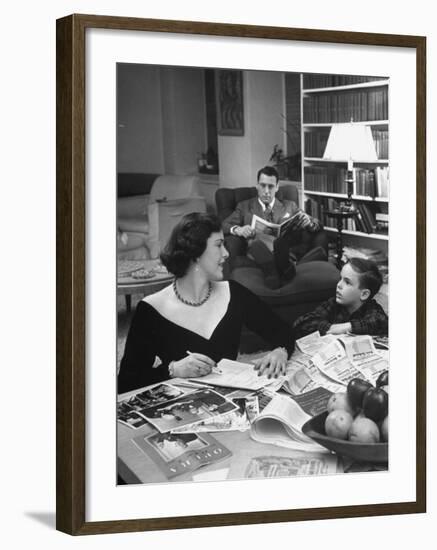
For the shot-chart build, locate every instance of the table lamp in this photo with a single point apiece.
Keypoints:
(350, 142)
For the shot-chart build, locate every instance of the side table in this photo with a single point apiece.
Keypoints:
(340, 216)
(128, 283)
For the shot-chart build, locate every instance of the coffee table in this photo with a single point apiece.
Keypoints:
(140, 277)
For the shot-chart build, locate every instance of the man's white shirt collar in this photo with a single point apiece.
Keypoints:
(263, 206)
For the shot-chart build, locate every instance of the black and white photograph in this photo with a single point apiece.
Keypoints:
(179, 454)
(253, 233)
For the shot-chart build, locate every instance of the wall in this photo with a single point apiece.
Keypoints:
(139, 146)
(28, 274)
(241, 157)
(183, 118)
(161, 119)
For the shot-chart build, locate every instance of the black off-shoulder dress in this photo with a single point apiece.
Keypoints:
(151, 335)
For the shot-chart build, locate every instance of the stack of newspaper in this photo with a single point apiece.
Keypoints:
(321, 366)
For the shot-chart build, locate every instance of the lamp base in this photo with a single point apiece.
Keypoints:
(346, 208)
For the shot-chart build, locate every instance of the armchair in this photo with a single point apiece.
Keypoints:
(314, 281)
(145, 219)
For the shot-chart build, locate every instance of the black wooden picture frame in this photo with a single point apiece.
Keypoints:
(71, 272)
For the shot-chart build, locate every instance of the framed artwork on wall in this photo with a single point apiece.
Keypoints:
(133, 461)
(230, 103)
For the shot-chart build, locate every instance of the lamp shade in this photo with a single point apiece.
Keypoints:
(350, 141)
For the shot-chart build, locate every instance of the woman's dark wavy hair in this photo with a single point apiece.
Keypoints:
(187, 241)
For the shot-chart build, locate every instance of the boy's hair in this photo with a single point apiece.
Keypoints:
(369, 275)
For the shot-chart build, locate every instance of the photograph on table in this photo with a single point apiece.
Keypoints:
(252, 254)
(177, 454)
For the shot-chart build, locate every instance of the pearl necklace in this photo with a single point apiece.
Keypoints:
(187, 302)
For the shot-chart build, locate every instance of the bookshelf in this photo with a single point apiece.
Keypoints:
(329, 99)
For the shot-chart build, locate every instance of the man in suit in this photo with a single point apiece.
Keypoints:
(304, 241)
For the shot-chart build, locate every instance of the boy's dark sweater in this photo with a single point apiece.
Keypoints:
(370, 318)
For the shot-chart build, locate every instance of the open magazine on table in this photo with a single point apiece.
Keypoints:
(235, 374)
(280, 423)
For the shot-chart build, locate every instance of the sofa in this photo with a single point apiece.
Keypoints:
(314, 281)
(148, 207)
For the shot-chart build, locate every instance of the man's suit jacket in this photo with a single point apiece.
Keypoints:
(245, 210)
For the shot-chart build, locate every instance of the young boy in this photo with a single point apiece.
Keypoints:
(353, 309)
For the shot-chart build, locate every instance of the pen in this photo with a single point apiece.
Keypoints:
(213, 369)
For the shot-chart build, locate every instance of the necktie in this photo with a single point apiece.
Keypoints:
(268, 214)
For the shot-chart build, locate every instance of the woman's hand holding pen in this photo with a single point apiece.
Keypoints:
(193, 365)
(273, 364)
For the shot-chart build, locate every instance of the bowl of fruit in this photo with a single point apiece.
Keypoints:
(355, 423)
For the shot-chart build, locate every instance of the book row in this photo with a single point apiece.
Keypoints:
(368, 182)
(315, 143)
(367, 219)
(331, 80)
(346, 105)
(380, 138)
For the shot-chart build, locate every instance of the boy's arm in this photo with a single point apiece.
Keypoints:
(374, 321)
(319, 319)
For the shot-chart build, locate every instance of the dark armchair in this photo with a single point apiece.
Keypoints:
(314, 281)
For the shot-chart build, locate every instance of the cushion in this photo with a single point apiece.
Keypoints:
(132, 207)
(174, 187)
(133, 225)
(314, 281)
(134, 240)
(129, 184)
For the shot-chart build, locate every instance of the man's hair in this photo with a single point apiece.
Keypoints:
(369, 275)
(268, 171)
(187, 241)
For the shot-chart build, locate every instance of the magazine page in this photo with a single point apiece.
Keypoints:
(314, 401)
(260, 225)
(363, 355)
(298, 377)
(281, 423)
(334, 363)
(324, 381)
(291, 223)
(312, 343)
(234, 374)
(264, 461)
(127, 416)
(177, 454)
(128, 408)
(189, 409)
(240, 419)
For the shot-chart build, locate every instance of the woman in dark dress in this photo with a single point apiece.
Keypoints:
(186, 328)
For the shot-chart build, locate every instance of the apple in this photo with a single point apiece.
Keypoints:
(339, 401)
(382, 379)
(375, 404)
(364, 430)
(338, 423)
(356, 389)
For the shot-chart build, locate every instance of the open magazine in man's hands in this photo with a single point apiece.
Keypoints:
(260, 225)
